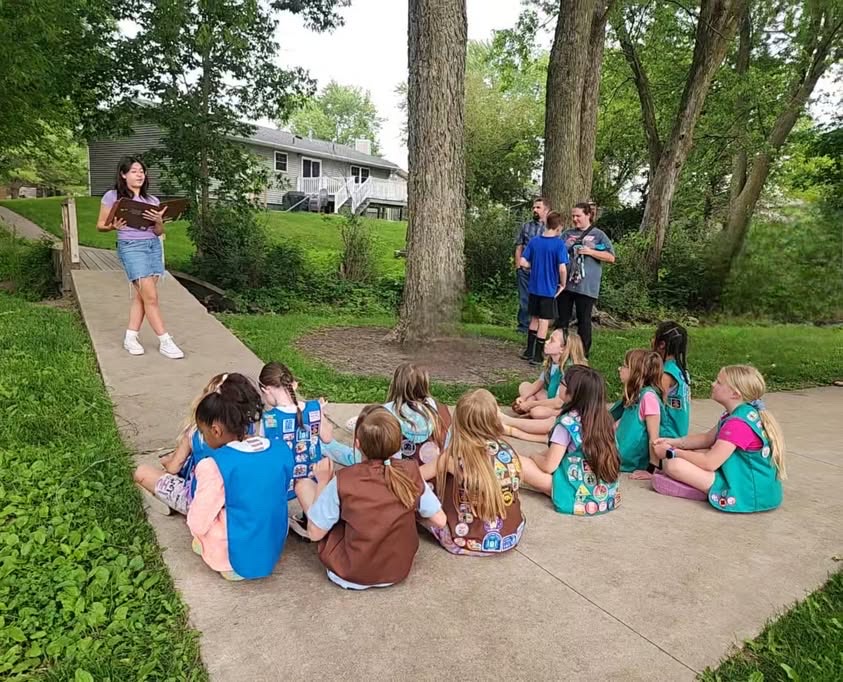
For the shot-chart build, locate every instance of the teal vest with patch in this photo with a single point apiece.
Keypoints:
(552, 382)
(303, 442)
(631, 434)
(576, 488)
(748, 480)
(676, 416)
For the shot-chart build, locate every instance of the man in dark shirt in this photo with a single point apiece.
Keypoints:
(541, 207)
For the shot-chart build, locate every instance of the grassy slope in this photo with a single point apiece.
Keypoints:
(319, 237)
(82, 583)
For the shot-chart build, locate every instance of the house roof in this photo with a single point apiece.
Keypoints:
(281, 139)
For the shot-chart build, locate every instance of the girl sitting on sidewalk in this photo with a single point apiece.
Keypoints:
(739, 462)
(364, 517)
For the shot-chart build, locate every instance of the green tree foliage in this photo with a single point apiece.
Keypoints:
(53, 159)
(340, 113)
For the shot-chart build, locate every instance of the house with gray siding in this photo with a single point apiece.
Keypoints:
(307, 174)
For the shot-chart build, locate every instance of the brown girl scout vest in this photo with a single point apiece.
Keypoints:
(375, 540)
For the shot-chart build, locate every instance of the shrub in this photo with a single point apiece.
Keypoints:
(489, 247)
(619, 222)
(28, 266)
(231, 246)
(357, 261)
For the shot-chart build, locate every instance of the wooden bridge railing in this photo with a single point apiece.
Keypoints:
(69, 252)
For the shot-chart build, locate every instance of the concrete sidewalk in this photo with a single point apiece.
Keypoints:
(24, 227)
(659, 589)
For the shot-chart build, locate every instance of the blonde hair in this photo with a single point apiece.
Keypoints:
(378, 433)
(572, 349)
(189, 422)
(645, 369)
(410, 386)
(749, 383)
(475, 424)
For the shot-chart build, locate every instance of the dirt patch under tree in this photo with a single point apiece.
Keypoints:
(462, 359)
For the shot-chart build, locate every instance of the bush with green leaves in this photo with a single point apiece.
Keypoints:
(231, 247)
(27, 266)
(357, 260)
(489, 248)
(84, 593)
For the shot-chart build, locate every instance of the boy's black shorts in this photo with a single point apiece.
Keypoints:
(543, 307)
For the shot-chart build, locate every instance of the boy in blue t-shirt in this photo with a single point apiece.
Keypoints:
(546, 256)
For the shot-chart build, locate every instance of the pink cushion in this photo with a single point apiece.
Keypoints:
(668, 486)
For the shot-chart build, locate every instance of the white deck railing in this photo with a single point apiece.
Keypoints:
(342, 188)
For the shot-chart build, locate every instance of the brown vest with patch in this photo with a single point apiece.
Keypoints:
(375, 540)
(473, 533)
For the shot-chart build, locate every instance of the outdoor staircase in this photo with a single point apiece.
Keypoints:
(358, 195)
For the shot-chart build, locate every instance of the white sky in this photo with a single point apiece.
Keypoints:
(370, 51)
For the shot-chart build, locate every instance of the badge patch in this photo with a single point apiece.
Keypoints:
(579, 509)
(509, 542)
(288, 424)
(300, 471)
(459, 542)
(675, 403)
(461, 530)
(492, 542)
(314, 415)
(591, 507)
(495, 525)
(408, 448)
(270, 421)
(504, 457)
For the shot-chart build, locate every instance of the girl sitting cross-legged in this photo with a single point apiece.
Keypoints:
(477, 479)
(579, 470)
(364, 517)
(739, 462)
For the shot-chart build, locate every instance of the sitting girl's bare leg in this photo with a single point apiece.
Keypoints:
(690, 474)
(544, 412)
(534, 477)
(147, 476)
(540, 427)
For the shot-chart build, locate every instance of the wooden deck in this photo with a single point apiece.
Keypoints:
(98, 259)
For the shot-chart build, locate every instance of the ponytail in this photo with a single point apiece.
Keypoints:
(400, 485)
(776, 437)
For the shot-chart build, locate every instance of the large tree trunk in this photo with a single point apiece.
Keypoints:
(739, 161)
(829, 27)
(591, 99)
(436, 188)
(716, 26)
(566, 80)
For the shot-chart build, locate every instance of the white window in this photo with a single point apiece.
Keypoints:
(359, 173)
(311, 168)
(281, 162)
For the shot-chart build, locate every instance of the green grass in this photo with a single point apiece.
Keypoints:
(789, 356)
(806, 643)
(84, 593)
(318, 236)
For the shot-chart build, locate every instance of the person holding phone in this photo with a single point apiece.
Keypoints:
(141, 255)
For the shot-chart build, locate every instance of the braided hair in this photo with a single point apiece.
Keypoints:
(675, 339)
(235, 404)
(278, 375)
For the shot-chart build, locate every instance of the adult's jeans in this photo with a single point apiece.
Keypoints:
(523, 278)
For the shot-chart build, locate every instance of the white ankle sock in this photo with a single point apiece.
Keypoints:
(131, 334)
(163, 337)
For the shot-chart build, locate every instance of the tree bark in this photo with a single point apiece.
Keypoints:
(743, 204)
(591, 98)
(739, 161)
(715, 28)
(566, 81)
(436, 188)
(645, 96)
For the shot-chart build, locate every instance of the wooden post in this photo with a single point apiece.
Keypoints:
(73, 233)
(70, 243)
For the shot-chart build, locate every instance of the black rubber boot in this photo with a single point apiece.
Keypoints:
(538, 353)
(531, 346)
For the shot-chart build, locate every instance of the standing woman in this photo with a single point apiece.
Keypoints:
(588, 249)
(141, 254)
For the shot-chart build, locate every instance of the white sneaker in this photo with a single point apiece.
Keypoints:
(131, 344)
(169, 349)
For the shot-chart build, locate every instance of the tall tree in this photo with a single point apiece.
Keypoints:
(817, 42)
(573, 78)
(716, 24)
(341, 113)
(436, 190)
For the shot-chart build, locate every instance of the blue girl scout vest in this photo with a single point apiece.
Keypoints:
(256, 515)
(748, 480)
(576, 488)
(552, 380)
(303, 441)
(199, 450)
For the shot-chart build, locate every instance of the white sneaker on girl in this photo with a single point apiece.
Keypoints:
(168, 347)
(131, 343)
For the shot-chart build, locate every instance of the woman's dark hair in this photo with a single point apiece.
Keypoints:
(675, 339)
(589, 208)
(586, 392)
(236, 405)
(120, 185)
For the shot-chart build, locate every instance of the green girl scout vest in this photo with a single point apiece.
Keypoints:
(576, 488)
(676, 417)
(631, 434)
(552, 382)
(747, 481)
